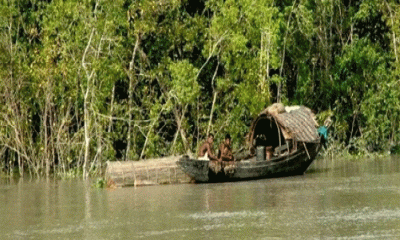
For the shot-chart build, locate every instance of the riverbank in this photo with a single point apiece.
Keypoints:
(332, 151)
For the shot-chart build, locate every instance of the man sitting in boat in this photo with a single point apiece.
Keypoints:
(206, 150)
(225, 150)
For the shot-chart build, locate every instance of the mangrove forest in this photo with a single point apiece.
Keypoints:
(83, 82)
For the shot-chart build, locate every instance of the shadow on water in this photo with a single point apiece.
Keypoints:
(317, 170)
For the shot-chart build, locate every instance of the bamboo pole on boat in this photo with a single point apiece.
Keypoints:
(305, 147)
(279, 134)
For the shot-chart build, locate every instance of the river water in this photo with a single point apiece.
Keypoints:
(334, 199)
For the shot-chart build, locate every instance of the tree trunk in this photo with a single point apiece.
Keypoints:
(130, 93)
(86, 127)
(111, 109)
(278, 95)
(393, 31)
(214, 100)
(89, 77)
(180, 130)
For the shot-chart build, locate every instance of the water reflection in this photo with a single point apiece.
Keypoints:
(334, 199)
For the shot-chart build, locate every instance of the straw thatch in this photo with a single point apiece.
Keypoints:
(145, 172)
(295, 122)
(300, 124)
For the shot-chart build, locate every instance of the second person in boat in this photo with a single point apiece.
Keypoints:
(225, 150)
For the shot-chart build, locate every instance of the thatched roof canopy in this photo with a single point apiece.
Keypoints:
(292, 123)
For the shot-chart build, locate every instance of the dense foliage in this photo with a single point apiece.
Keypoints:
(87, 81)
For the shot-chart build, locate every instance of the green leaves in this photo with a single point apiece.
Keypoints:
(244, 34)
(184, 86)
(195, 70)
(381, 109)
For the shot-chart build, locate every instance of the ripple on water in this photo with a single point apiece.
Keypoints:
(381, 234)
(65, 229)
(219, 215)
(362, 215)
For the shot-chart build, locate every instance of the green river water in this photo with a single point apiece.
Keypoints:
(335, 199)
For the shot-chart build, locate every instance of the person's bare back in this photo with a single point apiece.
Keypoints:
(206, 150)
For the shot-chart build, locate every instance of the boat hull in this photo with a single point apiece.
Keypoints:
(212, 171)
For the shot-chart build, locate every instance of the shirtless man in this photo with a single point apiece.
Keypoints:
(225, 149)
(206, 150)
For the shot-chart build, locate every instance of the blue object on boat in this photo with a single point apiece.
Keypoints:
(323, 133)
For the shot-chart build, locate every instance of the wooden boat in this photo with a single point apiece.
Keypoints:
(290, 131)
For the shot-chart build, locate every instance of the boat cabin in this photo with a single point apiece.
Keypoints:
(280, 130)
